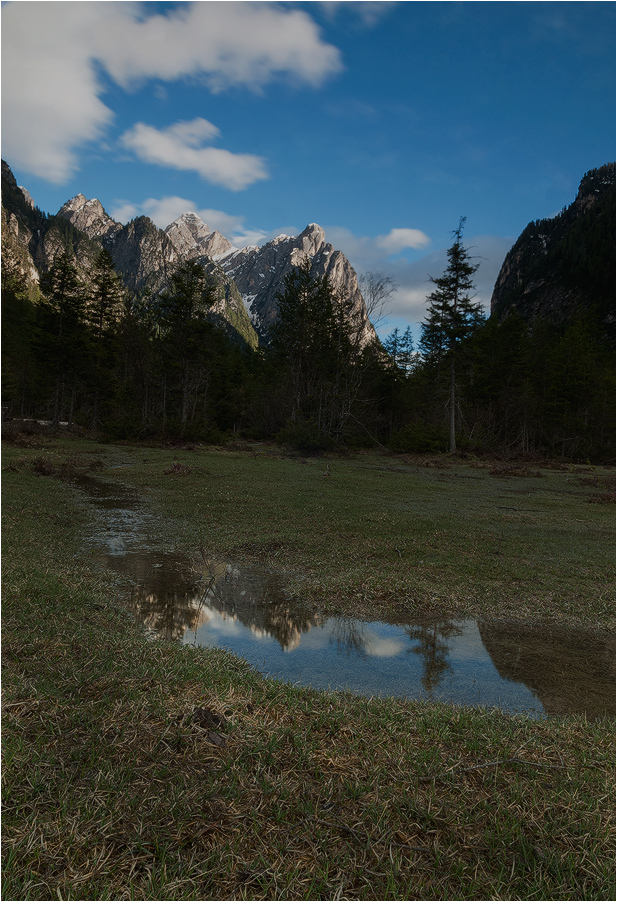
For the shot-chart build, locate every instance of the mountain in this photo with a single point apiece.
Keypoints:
(31, 240)
(192, 238)
(20, 221)
(145, 257)
(89, 216)
(259, 273)
(564, 266)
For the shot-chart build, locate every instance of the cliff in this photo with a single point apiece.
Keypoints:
(565, 266)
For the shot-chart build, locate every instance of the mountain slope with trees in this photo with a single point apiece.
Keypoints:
(95, 336)
(565, 266)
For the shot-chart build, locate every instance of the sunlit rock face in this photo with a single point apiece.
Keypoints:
(88, 216)
(143, 255)
(259, 273)
(193, 238)
(16, 257)
(146, 257)
(248, 279)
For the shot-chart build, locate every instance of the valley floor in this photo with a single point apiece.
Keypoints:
(138, 769)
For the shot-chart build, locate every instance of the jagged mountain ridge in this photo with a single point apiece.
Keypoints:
(31, 240)
(565, 265)
(145, 257)
(192, 237)
(259, 273)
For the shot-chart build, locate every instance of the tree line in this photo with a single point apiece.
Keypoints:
(91, 354)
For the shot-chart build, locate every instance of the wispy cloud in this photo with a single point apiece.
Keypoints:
(180, 147)
(53, 107)
(163, 211)
(239, 43)
(413, 276)
(398, 240)
(368, 12)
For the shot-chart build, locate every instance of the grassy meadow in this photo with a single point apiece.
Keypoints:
(138, 769)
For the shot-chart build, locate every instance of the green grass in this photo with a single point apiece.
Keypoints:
(388, 537)
(116, 786)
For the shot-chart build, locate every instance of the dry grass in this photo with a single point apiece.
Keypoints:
(146, 770)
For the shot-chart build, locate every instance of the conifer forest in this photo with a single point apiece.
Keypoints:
(84, 350)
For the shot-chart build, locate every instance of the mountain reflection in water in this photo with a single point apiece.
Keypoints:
(247, 610)
(173, 599)
(516, 666)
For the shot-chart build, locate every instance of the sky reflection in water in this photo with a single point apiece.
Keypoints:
(516, 666)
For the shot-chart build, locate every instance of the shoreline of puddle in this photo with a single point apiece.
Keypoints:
(516, 666)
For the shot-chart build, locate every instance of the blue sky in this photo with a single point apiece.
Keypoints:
(384, 122)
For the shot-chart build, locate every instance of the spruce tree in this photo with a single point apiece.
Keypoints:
(62, 333)
(106, 294)
(452, 317)
(105, 302)
(185, 333)
(314, 347)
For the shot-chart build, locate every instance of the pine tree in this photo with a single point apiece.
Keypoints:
(392, 345)
(452, 317)
(18, 364)
(186, 331)
(406, 355)
(400, 349)
(105, 303)
(314, 347)
(106, 294)
(62, 332)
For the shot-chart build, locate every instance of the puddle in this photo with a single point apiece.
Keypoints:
(499, 663)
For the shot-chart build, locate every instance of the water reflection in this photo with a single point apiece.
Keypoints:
(505, 664)
(433, 646)
(514, 666)
(257, 600)
(570, 671)
(174, 598)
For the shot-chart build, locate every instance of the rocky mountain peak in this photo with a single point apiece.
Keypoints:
(313, 238)
(250, 278)
(7, 175)
(594, 186)
(193, 238)
(259, 273)
(189, 224)
(88, 216)
(73, 205)
(27, 196)
(542, 276)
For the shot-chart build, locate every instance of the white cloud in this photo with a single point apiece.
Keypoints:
(228, 43)
(382, 647)
(53, 108)
(50, 104)
(399, 239)
(179, 148)
(163, 211)
(124, 211)
(368, 11)
(408, 303)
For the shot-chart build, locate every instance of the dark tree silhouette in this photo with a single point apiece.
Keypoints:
(452, 317)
